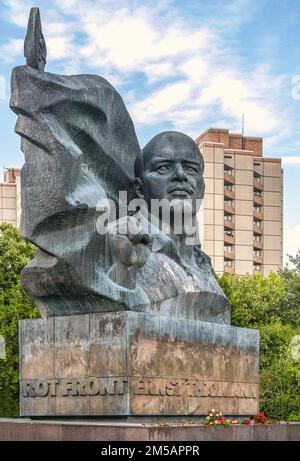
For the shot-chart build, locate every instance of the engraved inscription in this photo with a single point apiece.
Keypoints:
(193, 388)
(137, 386)
(73, 387)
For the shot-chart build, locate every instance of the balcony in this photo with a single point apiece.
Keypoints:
(257, 259)
(228, 224)
(228, 193)
(257, 172)
(229, 178)
(228, 209)
(258, 200)
(258, 215)
(229, 270)
(257, 268)
(228, 239)
(228, 255)
(257, 245)
(257, 229)
(258, 185)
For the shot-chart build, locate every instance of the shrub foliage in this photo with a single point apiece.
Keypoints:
(272, 304)
(14, 305)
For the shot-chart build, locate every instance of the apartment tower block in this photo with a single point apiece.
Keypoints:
(10, 197)
(241, 214)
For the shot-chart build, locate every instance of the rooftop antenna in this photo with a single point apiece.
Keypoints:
(243, 124)
(243, 130)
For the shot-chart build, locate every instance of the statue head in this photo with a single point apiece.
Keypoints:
(170, 167)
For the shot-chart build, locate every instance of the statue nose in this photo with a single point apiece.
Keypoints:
(179, 173)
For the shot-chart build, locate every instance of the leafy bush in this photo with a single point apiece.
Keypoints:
(271, 304)
(254, 298)
(280, 372)
(14, 305)
(289, 308)
(280, 389)
(294, 417)
(275, 343)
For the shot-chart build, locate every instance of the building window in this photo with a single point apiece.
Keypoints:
(258, 193)
(257, 223)
(228, 217)
(257, 238)
(228, 186)
(257, 208)
(257, 253)
(228, 232)
(256, 267)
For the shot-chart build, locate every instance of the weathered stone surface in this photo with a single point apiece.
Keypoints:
(131, 363)
(72, 347)
(108, 355)
(37, 345)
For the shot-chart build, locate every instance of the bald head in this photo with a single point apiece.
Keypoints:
(170, 167)
(166, 142)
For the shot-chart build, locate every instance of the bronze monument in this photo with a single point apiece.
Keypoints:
(133, 319)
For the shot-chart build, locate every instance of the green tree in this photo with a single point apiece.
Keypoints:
(275, 343)
(295, 260)
(271, 304)
(15, 253)
(280, 390)
(255, 299)
(290, 306)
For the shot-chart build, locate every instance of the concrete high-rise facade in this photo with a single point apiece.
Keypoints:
(241, 215)
(10, 197)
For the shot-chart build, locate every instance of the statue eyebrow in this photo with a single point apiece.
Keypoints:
(156, 161)
(160, 160)
(191, 162)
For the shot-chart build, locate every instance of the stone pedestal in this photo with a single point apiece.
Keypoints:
(108, 431)
(134, 364)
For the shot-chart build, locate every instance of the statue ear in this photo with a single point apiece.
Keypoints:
(138, 188)
(202, 189)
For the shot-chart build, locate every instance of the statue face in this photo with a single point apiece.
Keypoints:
(173, 168)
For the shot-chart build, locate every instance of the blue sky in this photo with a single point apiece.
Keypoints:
(183, 65)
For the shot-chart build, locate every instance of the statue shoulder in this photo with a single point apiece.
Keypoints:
(202, 258)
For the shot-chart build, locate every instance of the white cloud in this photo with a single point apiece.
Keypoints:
(12, 49)
(191, 71)
(59, 47)
(195, 69)
(162, 101)
(236, 94)
(17, 11)
(2, 87)
(159, 71)
(291, 242)
(291, 160)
